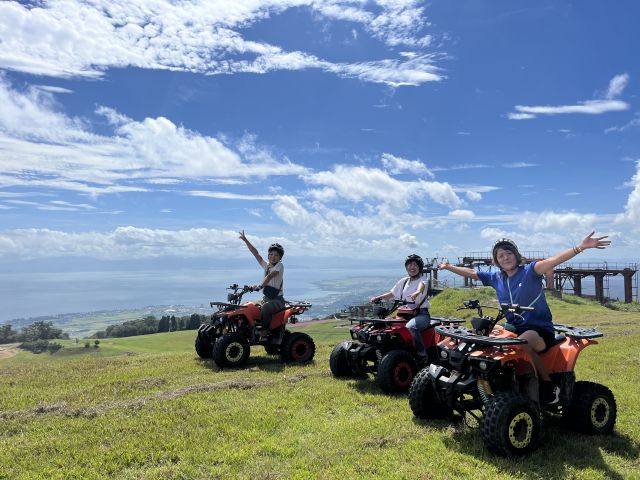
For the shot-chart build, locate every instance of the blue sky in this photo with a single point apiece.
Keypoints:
(136, 130)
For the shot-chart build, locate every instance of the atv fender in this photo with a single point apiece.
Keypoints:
(358, 354)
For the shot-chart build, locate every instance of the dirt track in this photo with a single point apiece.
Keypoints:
(7, 351)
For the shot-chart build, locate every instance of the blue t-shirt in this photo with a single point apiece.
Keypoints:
(524, 288)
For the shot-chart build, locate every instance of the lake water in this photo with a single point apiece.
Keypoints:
(32, 294)
(26, 295)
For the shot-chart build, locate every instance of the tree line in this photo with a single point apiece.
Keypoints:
(150, 324)
(34, 337)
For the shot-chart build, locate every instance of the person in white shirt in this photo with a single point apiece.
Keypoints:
(413, 289)
(271, 285)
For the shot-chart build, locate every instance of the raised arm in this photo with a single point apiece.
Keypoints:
(251, 248)
(463, 271)
(548, 264)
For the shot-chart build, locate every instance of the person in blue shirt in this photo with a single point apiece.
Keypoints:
(522, 284)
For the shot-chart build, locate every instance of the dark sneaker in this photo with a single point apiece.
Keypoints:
(549, 393)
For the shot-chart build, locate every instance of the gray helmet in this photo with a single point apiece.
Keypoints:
(415, 258)
(278, 248)
(506, 244)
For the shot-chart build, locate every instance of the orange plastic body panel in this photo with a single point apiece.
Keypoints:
(561, 357)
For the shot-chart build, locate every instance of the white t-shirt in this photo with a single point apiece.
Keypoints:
(277, 280)
(405, 287)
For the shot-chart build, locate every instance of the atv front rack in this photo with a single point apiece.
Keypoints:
(435, 321)
(225, 305)
(577, 332)
(449, 320)
(377, 320)
(467, 336)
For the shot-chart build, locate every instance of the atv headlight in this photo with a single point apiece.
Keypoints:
(444, 354)
(483, 364)
(354, 335)
(378, 337)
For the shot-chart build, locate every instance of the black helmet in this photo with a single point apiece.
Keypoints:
(506, 244)
(278, 248)
(415, 258)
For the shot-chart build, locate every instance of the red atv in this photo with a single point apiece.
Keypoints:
(384, 347)
(235, 326)
(486, 370)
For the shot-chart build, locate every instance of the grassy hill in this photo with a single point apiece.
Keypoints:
(148, 408)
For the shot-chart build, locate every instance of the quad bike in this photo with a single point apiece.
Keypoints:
(235, 326)
(486, 370)
(384, 347)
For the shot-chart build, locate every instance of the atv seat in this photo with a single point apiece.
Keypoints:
(559, 338)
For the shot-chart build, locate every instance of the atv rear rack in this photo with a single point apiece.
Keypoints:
(577, 332)
(467, 336)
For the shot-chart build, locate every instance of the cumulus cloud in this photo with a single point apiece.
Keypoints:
(358, 184)
(554, 221)
(83, 38)
(631, 213)
(40, 146)
(397, 165)
(461, 214)
(589, 107)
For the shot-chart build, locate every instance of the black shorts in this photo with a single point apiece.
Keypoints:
(548, 336)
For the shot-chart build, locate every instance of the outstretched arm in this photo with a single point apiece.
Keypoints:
(251, 248)
(384, 296)
(548, 264)
(463, 271)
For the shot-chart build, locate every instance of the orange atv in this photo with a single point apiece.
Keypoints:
(235, 326)
(486, 370)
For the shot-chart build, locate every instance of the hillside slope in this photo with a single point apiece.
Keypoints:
(148, 407)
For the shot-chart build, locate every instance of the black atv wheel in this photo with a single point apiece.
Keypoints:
(423, 400)
(338, 361)
(297, 348)
(204, 347)
(231, 350)
(593, 408)
(512, 424)
(272, 349)
(396, 371)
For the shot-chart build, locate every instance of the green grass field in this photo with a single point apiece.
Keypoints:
(148, 408)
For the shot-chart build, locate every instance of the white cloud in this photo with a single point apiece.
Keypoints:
(592, 107)
(519, 165)
(122, 243)
(617, 85)
(633, 123)
(589, 107)
(358, 184)
(397, 165)
(462, 214)
(631, 213)
(68, 38)
(230, 196)
(473, 195)
(40, 146)
(559, 222)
